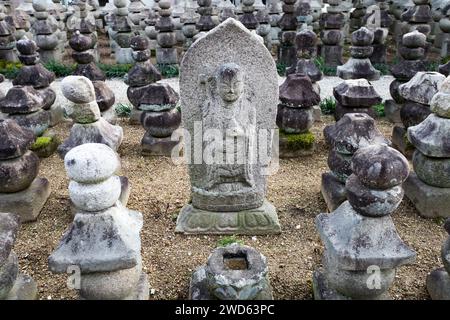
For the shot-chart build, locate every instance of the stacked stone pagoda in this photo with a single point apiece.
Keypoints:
(380, 28)
(84, 23)
(234, 272)
(304, 17)
(359, 65)
(166, 53)
(121, 33)
(412, 52)
(136, 14)
(20, 20)
(226, 10)
(89, 126)
(357, 15)
(355, 96)
(438, 281)
(83, 55)
(154, 103)
(150, 21)
(362, 247)
(352, 132)
(331, 23)
(189, 20)
(248, 18)
(444, 25)
(418, 17)
(103, 240)
(7, 38)
(45, 32)
(21, 191)
(428, 187)
(275, 10)
(264, 28)
(233, 97)
(288, 24)
(14, 285)
(34, 74)
(205, 9)
(417, 94)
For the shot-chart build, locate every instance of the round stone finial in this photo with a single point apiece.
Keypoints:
(80, 42)
(305, 39)
(139, 43)
(26, 46)
(78, 89)
(440, 103)
(362, 37)
(164, 4)
(40, 5)
(91, 163)
(414, 39)
(380, 166)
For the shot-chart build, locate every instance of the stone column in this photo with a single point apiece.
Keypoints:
(428, 187)
(166, 53)
(122, 33)
(155, 102)
(150, 29)
(34, 74)
(275, 10)
(264, 27)
(21, 191)
(288, 25)
(352, 132)
(331, 23)
(89, 126)
(248, 18)
(416, 94)
(243, 274)
(83, 55)
(412, 52)
(205, 23)
(359, 65)
(14, 285)
(7, 39)
(103, 241)
(374, 192)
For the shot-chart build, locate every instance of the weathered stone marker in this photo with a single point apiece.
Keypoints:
(428, 187)
(362, 247)
(233, 272)
(229, 93)
(14, 285)
(103, 242)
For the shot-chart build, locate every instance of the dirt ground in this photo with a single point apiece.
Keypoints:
(160, 189)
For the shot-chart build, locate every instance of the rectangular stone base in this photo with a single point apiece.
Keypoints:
(27, 203)
(400, 143)
(429, 201)
(333, 191)
(262, 220)
(24, 289)
(321, 289)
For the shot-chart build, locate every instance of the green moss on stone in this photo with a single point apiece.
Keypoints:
(408, 144)
(297, 141)
(41, 143)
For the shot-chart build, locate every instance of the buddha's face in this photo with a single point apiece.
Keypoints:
(230, 83)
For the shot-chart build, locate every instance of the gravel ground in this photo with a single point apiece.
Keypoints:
(160, 189)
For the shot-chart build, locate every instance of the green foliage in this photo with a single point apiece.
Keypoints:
(382, 67)
(59, 69)
(439, 220)
(168, 70)
(123, 110)
(281, 69)
(298, 141)
(445, 60)
(40, 143)
(328, 105)
(379, 110)
(115, 70)
(228, 240)
(432, 66)
(9, 69)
